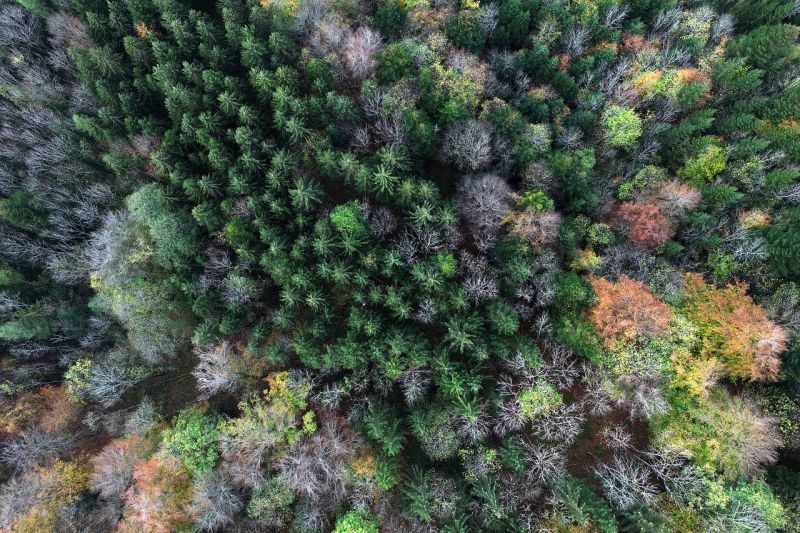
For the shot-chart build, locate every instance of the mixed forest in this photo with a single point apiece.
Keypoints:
(363, 266)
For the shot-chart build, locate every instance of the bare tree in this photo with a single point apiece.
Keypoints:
(142, 418)
(480, 288)
(614, 16)
(675, 198)
(107, 383)
(359, 52)
(214, 502)
(382, 221)
(751, 436)
(617, 437)
(32, 447)
(791, 193)
(626, 483)
(738, 516)
(562, 425)
(18, 28)
(113, 467)
(391, 128)
(560, 368)
(546, 462)
(415, 383)
(476, 426)
(575, 40)
(17, 496)
(426, 311)
(468, 145)
(317, 467)
(215, 372)
(682, 480)
(484, 201)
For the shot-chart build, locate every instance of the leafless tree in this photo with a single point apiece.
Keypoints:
(238, 288)
(216, 267)
(113, 467)
(361, 141)
(382, 221)
(752, 436)
(626, 482)
(107, 383)
(391, 128)
(784, 306)
(426, 311)
(474, 428)
(562, 425)
(575, 40)
(317, 467)
(546, 462)
(215, 372)
(537, 176)
(675, 198)
(617, 437)
(32, 447)
(359, 51)
(142, 418)
(415, 382)
(614, 76)
(484, 201)
(489, 17)
(791, 194)
(331, 396)
(214, 502)
(537, 227)
(83, 516)
(666, 21)
(65, 30)
(328, 36)
(480, 288)
(746, 245)
(615, 16)
(18, 28)
(468, 145)
(560, 367)
(595, 398)
(17, 496)
(682, 480)
(643, 397)
(738, 516)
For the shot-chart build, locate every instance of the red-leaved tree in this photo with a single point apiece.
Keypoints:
(643, 223)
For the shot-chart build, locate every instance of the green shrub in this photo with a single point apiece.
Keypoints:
(356, 522)
(622, 126)
(193, 438)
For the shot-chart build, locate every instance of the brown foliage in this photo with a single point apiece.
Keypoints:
(625, 310)
(643, 223)
(734, 329)
(49, 406)
(634, 43)
(160, 498)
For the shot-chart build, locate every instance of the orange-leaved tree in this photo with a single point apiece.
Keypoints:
(734, 329)
(625, 310)
(160, 498)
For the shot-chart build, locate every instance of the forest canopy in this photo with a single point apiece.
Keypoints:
(355, 266)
